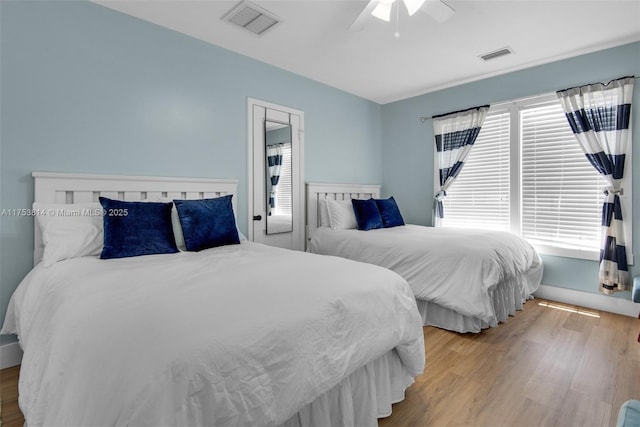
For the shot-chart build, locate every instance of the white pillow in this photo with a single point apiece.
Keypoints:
(324, 214)
(177, 226)
(69, 230)
(341, 215)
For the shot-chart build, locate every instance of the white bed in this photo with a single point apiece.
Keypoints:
(211, 337)
(463, 280)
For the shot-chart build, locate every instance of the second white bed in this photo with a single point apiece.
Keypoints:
(463, 280)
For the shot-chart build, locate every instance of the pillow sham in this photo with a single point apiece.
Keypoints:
(136, 228)
(367, 214)
(324, 213)
(69, 230)
(389, 212)
(207, 223)
(175, 221)
(341, 215)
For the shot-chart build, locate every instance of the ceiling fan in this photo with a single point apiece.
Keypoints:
(381, 9)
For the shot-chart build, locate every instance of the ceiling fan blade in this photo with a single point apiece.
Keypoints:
(413, 5)
(364, 16)
(383, 10)
(438, 10)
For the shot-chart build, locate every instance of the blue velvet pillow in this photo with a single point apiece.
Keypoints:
(136, 228)
(389, 212)
(207, 223)
(367, 214)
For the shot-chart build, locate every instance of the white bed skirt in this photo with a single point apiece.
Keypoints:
(507, 297)
(360, 399)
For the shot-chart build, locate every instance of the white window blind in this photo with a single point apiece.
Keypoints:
(561, 191)
(283, 195)
(479, 198)
(526, 173)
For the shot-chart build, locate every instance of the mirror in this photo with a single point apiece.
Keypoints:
(278, 191)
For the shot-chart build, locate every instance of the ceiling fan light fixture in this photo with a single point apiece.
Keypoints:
(383, 10)
(413, 5)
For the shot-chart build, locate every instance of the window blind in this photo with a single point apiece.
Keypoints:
(561, 192)
(283, 195)
(479, 198)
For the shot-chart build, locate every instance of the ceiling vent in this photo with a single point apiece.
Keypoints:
(251, 17)
(497, 53)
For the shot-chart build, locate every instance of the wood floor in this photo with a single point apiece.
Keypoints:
(10, 415)
(550, 365)
(545, 366)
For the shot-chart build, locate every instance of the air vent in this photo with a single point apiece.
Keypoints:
(497, 53)
(252, 18)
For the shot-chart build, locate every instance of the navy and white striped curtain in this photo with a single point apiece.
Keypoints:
(455, 134)
(599, 117)
(274, 162)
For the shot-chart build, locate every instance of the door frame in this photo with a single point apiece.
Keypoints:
(300, 193)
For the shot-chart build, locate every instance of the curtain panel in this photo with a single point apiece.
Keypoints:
(274, 162)
(599, 116)
(455, 134)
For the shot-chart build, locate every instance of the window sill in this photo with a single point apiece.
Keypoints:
(567, 253)
(573, 253)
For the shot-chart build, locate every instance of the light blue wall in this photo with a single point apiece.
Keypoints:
(408, 144)
(88, 89)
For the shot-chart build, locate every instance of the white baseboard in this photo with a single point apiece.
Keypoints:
(10, 355)
(588, 300)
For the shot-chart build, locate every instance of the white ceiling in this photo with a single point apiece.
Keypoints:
(313, 38)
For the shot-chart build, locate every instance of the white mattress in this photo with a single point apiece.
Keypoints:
(239, 335)
(478, 274)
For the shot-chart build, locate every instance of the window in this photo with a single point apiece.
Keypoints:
(480, 194)
(526, 173)
(283, 195)
(561, 191)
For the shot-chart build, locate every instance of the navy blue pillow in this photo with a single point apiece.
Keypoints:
(136, 228)
(367, 214)
(207, 223)
(389, 212)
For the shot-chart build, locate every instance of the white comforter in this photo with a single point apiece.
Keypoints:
(457, 269)
(239, 335)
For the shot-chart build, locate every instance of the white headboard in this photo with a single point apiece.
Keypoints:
(81, 188)
(317, 192)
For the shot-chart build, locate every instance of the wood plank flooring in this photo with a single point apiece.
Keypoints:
(11, 415)
(550, 365)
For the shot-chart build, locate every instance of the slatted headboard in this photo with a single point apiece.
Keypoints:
(317, 192)
(81, 188)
